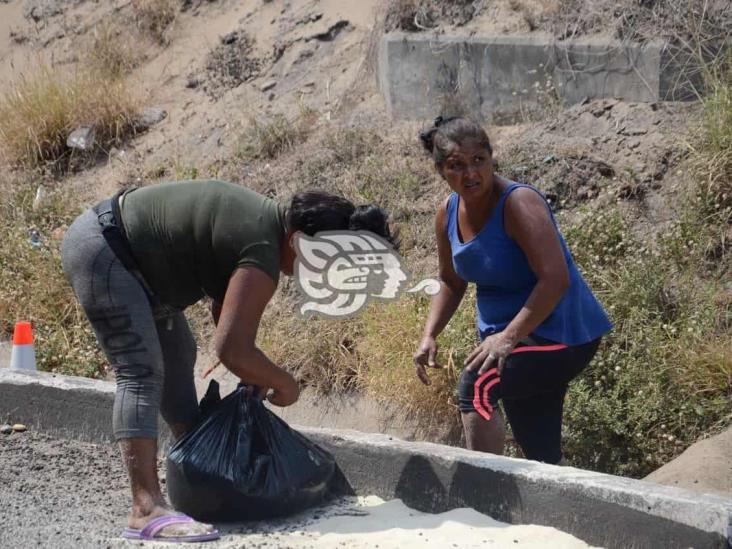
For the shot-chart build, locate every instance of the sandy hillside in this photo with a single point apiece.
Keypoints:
(228, 62)
(297, 53)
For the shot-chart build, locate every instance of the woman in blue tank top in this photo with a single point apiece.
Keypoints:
(538, 321)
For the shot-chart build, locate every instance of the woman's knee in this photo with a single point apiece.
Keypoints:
(478, 393)
(137, 405)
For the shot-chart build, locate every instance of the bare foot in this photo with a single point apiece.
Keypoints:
(138, 520)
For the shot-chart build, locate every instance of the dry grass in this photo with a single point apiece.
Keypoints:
(267, 140)
(114, 50)
(647, 20)
(38, 111)
(714, 152)
(406, 15)
(321, 351)
(390, 336)
(372, 353)
(420, 15)
(155, 17)
(32, 283)
(711, 376)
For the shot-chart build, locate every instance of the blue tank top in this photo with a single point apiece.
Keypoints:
(504, 280)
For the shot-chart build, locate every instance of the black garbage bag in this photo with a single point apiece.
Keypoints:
(242, 462)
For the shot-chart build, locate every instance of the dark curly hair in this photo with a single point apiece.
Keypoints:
(315, 211)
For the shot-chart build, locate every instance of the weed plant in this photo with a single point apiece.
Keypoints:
(32, 283)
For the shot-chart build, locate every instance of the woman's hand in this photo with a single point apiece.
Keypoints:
(493, 351)
(426, 356)
(286, 394)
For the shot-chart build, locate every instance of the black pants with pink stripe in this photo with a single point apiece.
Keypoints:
(532, 387)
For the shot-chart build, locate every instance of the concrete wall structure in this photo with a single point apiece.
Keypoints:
(601, 509)
(500, 78)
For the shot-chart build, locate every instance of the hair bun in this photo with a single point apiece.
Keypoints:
(427, 137)
(369, 217)
(372, 218)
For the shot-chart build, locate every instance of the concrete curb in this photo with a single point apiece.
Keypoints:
(67, 406)
(501, 77)
(601, 509)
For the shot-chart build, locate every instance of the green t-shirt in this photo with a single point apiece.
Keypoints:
(188, 237)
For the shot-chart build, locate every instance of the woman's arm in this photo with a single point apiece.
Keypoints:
(452, 287)
(444, 304)
(247, 295)
(527, 220)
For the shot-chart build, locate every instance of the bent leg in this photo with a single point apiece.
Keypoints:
(484, 435)
(537, 424)
(533, 385)
(121, 316)
(179, 406)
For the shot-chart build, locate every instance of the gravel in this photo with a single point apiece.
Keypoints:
(65, 493)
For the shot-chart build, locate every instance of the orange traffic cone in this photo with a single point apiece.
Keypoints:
(23, 356)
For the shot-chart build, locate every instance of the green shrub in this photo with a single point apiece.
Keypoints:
(663, 377)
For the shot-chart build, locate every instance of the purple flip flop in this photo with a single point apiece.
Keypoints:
(152, 528)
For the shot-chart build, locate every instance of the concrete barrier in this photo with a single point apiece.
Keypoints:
(6, 349)
(601, 509)
(498, 79)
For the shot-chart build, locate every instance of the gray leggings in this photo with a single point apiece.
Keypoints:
(152, 352)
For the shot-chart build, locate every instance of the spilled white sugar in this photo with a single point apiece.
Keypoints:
(372, 522)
